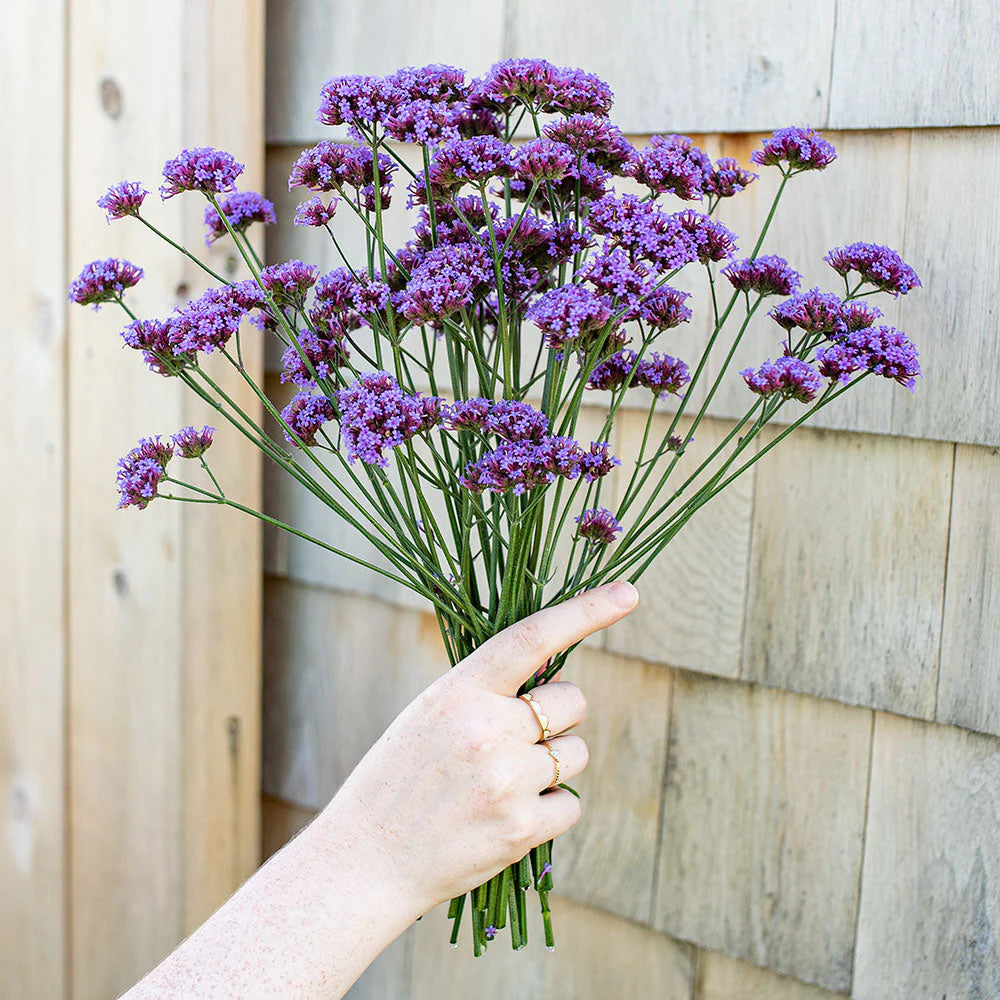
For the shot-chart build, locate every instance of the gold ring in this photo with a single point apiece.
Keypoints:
(555, 757)
(543, 720)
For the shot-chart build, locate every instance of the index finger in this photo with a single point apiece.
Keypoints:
(504, 662)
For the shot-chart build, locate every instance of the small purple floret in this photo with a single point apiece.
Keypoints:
(122, 199)
(191, 443)
(305, 415)
(599, 526)
(140, 471)
(103, 281)
(877, 265)
(242, 209)
(800, 148)
(211, 171)
(792, 377)
(768, 275)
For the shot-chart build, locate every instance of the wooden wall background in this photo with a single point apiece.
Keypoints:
(795, 777)
(129, 642)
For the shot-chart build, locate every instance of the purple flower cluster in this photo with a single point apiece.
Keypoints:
(358, 100)
(211, 171)
(664, 308)
(712, 240)
(315, 212)
(141, 470)
(883, 350)
(598, 525)
(792, 377)
(123, 198)
(571, 313)
(289, 281)
(768, 275)
(157, 339)
(206, 323)
(543, 160)
(445, 280)
(800, 148)
(334, 166)
(474, 160)
(522, 465)
(647, 233)
(305, 415)
(508, 419)
(813, 311)
(190, 443)
(542, 87)
(727, 178)
(103, 281)
(659, 372)
(674, 164)
(595, 137)
(614, 274)
(877, 265)
(375, 415)
(242, 209)
(613, 371)
(324, 353)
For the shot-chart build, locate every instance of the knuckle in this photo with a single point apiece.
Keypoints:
(520, 828)
(528, 638)
(501, 782)
(578, 702)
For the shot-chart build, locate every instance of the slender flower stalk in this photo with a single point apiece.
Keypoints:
(440, 384)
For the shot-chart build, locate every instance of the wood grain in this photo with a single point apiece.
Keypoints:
(768, 65)
(338, 668)
(930, 914)
(164, 666)
(692, 596)
(33, 503)
(880, 51)
(969, 685)
(762, 827)
(847, 568)
(719, 977)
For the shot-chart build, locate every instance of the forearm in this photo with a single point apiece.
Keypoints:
(306, 925)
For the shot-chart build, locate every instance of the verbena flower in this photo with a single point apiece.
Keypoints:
(727, 178)
(123, 198)
(190, 443)
(768, 275)
(569, 313)
(436, 82)
(103, 281)
(857, 315)
(157, 339)
(211, 171)
(334, 166)
(672, 164)
(359, 101)
(141, 470)
(712, 240)
(614, 274)
(664, 308)
(889, 353)
(595, 137)
(813, 311)
(531, 81)
(471, 160)
(578, 92)
(513, 420)
(877, 265)
(466, 414)
(315, 212)
(325, 353)
(598, 461)
(789, 376)
(543, 160)
(207, 323)
(444, 281)
(663, 374)
(613, 371)
(242, 209)
(424, 122)
(598, 526)
(289, 281)
(305, 415)
(377, 415)
(800, 148)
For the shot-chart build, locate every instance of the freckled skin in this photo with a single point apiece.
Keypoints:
(447, 797)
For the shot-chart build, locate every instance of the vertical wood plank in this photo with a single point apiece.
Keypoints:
(32, 502)
(847, 569)
(930, 914)
(761, 785)
(969, 685)
(164, 794)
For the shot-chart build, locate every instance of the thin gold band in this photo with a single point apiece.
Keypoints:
(555, 757)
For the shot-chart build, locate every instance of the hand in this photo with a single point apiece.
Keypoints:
(450, 794)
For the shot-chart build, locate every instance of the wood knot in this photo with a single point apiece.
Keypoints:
(111, 98)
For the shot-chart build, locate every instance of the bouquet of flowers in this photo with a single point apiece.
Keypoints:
(440, 383)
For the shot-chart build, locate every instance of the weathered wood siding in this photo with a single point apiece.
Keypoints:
(129, 643)
(794, 790)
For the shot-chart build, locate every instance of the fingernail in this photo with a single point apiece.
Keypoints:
(624, 594)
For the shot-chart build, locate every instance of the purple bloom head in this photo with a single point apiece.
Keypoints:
(858, 314)
(140, 471)
(712, 240)
(813, 311)
(877, 265)
(333, 166)
(543, 160)
(888, 352)
(768, 275)
(122, 199)
(376, 415)
(288, 282)
(425, 122)
(614, 274)
(613, 371)
(445, 280)
(305, 415)
(528, 81)
(672, 163)
(103, 281)
(242, 209)
(471, 160)
(512, 420)
(467, 414)
(664, 308)
(315, 212)
(595, 137)
(211, 171)
(206, 324)
(663, 374)
(157, 340)
(727, 178)
(359, 101)
(324, 354)
(598, 526)
(191, 443)
(436, 82)
(598, 461)
(792, 377)
(800, 148)
(577, 92)
(569, 313)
